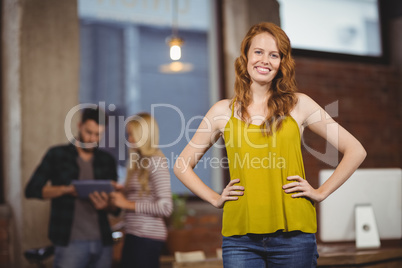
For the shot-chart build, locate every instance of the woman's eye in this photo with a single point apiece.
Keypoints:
(275, 56)
(258, 52)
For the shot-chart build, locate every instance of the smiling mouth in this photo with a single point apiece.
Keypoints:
(263, 70)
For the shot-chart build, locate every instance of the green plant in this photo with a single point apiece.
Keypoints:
(180, 212)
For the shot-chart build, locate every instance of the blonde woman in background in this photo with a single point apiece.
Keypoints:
(147, 198)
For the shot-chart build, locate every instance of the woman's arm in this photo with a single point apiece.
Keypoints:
(160, 180)
(206, 135)
(320, 122)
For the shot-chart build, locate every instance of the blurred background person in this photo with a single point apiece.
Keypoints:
(79, 228)
(147, 198)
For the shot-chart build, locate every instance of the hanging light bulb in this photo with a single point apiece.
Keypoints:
(174, 41)
(175, 52)
(175, 44)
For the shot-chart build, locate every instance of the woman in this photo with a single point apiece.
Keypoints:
(147, 199)
(269, 217)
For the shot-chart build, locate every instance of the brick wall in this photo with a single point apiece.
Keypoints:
(201, 230)
(368, 107)
(4, 242)
(5, 236)
(367, 95)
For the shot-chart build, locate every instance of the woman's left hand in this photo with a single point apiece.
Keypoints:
(301, 188)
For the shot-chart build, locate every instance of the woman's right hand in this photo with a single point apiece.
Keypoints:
(117, 199)
(230, 193)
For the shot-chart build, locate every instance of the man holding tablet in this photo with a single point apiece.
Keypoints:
(78, 227)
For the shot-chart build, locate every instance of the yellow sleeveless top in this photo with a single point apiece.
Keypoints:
(262, 163)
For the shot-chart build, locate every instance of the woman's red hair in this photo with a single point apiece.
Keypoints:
(283, 87)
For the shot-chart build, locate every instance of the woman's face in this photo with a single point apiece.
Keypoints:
(263, 59)
(130, 137)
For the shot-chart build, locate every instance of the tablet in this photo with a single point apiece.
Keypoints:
(85, 187)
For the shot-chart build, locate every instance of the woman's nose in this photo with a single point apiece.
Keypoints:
(265, 59)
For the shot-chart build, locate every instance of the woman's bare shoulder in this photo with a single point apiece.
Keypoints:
(302, 97)
(222, 108)
(304, 102)
(304, 107)
(220, 113)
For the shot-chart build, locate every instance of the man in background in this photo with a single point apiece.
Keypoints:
(78, 228)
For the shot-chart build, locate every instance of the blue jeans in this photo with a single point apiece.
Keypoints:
(280, 249)
(83, 254)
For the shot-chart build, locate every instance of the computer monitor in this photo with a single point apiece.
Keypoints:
(382, 188)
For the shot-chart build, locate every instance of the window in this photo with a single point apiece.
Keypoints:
(123, 65)
(337, 26)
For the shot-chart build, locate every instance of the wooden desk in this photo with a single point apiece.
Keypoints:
(348, 256)
(208, 263)
(331, 256)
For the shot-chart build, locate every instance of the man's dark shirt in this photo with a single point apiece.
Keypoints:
(59, 165)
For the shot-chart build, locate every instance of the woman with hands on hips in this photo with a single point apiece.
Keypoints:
(269, 217)
(147, 198)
